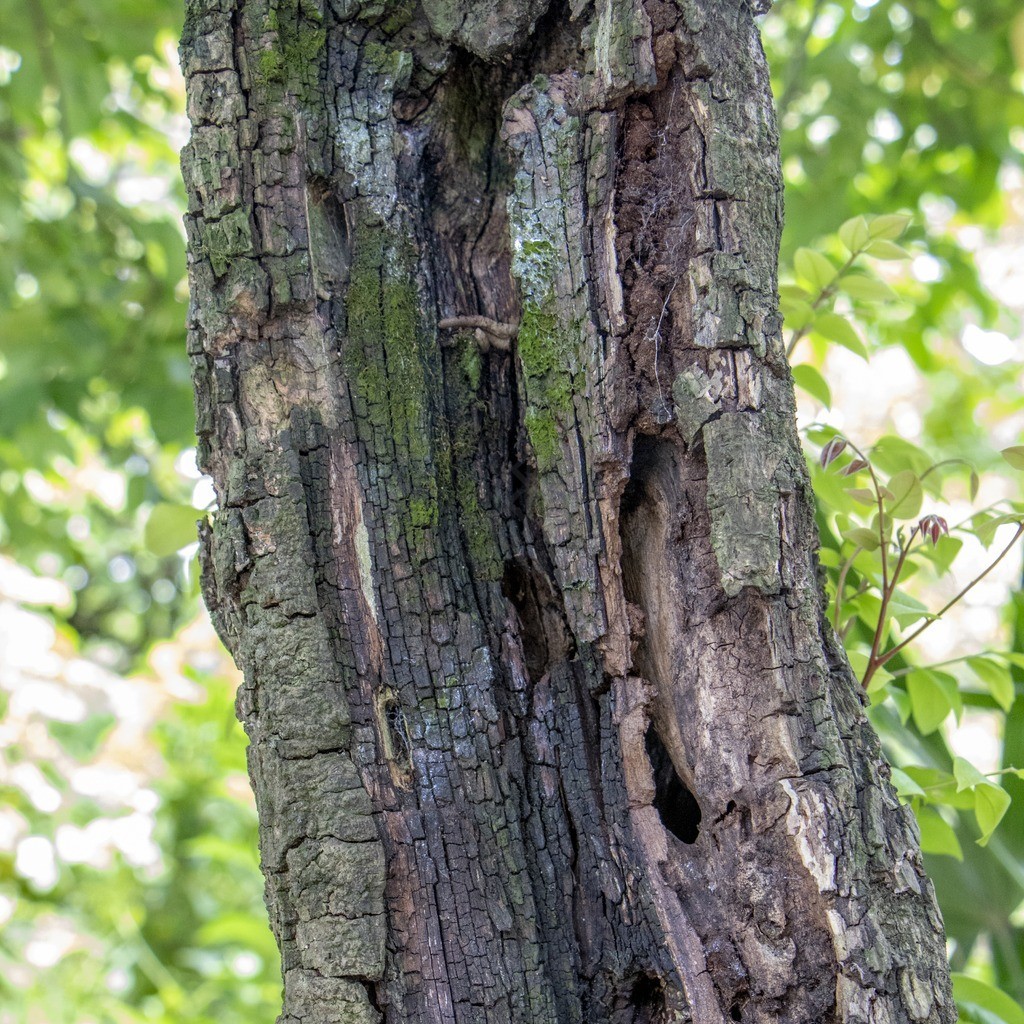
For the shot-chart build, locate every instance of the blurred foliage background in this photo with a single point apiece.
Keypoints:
(129, 881)
(129, 887)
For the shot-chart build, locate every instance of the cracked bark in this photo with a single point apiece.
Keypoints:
(546, 722)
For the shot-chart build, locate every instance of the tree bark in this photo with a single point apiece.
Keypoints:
(546, 722)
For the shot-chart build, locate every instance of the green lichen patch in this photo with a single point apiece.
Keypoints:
(227, 238)
(270, 66)
(471, 361)
(551, 337)
(390, 374)
(545, 437)
(478, 532)
(394, 66)
(547, 355)
(458, 461)
(293, 47)
(423, 513)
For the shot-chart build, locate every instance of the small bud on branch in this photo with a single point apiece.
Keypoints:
(832, 451)
(933, 527)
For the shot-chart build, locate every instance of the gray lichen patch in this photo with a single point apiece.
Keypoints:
(343, 947)
(338, 878)
(487, 28)
(338, 894)
(728, 312)
(366, 143)
(621, 59)
(309, 798)
(310, 996)
(696, 396)
(365, 562)
(743, 500)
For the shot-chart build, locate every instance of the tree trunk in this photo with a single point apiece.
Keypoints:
(515, 542)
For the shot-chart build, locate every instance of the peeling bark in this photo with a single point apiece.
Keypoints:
(515, 541)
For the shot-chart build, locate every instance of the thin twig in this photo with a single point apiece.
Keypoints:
(887, 593)
(988, 775)
(842, 584)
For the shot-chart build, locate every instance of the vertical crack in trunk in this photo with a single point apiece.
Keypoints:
(545, 721)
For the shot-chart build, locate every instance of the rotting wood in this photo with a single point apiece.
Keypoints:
(546, 722)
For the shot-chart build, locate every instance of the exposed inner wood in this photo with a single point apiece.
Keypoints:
(514, 543)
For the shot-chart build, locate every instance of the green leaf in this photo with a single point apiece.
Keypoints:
(814, 269)
(170, 528)
(991, 802)
(934, 780)
(906, 609)
(889, 225)
(937, 835)
(868, 608)
(808, 379)
(838, 329)
(1014, 455)
(867, 289)
(794, 293)
(879, 693)
(942, 553)
(904, 784)
(862, 537)
(907, 495)
(883, 249)
(882, 677)
(930, 699)
(864, 495)
(972, 995)
(997, 679)
(797, 315)
(902, 702)
(966, 775)
(909, 570)
(886, 520)
(858, 662)
(892, 453)
(830, 557)
(985, 526)
(854, 234)
(82, 739)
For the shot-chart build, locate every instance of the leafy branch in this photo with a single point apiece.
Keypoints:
(812, 309)
(900, 499)
(880, 659)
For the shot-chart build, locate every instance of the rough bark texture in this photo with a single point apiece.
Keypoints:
(546, 724)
